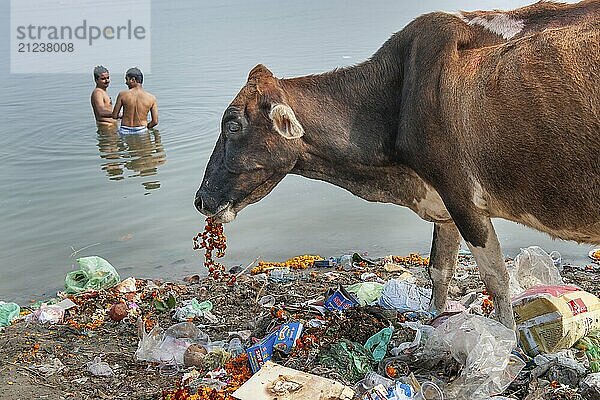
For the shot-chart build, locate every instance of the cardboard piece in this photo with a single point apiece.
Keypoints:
(274, 381)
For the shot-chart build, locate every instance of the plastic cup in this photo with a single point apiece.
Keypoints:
(429, 391)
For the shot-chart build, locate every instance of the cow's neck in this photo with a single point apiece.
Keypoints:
(350, 120)
(349, 115)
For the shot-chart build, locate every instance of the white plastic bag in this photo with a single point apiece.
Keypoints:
(535, 267)
(483, 346)
(404, 296)
(170, 345)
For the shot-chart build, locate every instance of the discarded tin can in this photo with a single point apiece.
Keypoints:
(340, 300)
(261, 352)
(287, 336)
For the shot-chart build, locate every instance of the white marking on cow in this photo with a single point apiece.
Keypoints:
(494, 274)
(460, 15)
(500, 24)
(225, 214)
(479, 196)
(431, 207)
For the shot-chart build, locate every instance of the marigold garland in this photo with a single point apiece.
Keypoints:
(299, 262)
(212, 239)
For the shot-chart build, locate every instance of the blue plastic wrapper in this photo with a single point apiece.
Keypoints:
(340, 300)
(261, 352)
(287, 336)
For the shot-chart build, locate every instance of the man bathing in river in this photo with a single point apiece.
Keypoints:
(101, 102)
(136, 104)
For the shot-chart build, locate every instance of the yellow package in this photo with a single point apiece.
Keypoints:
(552, 318)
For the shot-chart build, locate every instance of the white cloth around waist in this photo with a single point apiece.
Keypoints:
(128, 130)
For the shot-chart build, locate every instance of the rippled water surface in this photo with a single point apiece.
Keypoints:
(69, 191)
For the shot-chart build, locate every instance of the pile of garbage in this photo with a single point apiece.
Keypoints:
(350, 327)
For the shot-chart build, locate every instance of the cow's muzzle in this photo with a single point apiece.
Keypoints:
(222, 213)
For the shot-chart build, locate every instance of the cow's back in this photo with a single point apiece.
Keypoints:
(528, 122)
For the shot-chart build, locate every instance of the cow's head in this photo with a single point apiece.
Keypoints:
(257, 147)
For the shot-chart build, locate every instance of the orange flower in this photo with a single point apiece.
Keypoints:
(391, 371)
(211, 239)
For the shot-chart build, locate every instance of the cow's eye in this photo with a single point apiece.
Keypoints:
(233, 126)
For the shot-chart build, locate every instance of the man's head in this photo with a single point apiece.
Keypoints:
(134, 77)
(101, 77)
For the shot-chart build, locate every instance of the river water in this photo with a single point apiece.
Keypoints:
(67, 191)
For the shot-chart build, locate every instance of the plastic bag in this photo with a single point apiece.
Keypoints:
(366, 292)
(8, 313)
(484, 347)
(404, 296)
(591, 346)
(533, 266)
(590, 386)
(94, 273)
(377, 344)
(561, 367)
(192, 309)
(349, 358)
(50, 313)
(422, 332)
(169, 346)
(52, 366)
(281, 275)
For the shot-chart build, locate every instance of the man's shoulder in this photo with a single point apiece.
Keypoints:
(150, 96)
(97, 92)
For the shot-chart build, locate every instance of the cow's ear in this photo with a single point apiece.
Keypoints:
(260, 71)
(285, 122)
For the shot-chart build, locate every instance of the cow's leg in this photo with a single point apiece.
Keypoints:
(442, 262)
(493, 272)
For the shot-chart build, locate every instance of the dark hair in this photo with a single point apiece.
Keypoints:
(135, 73)
(99, 70)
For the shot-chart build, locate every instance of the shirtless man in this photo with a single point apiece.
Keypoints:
(136, 104)
(101, 102)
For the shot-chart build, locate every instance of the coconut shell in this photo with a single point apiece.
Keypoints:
(193, 355)
(118, 311)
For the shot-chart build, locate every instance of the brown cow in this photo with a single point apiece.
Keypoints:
(461, 118)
